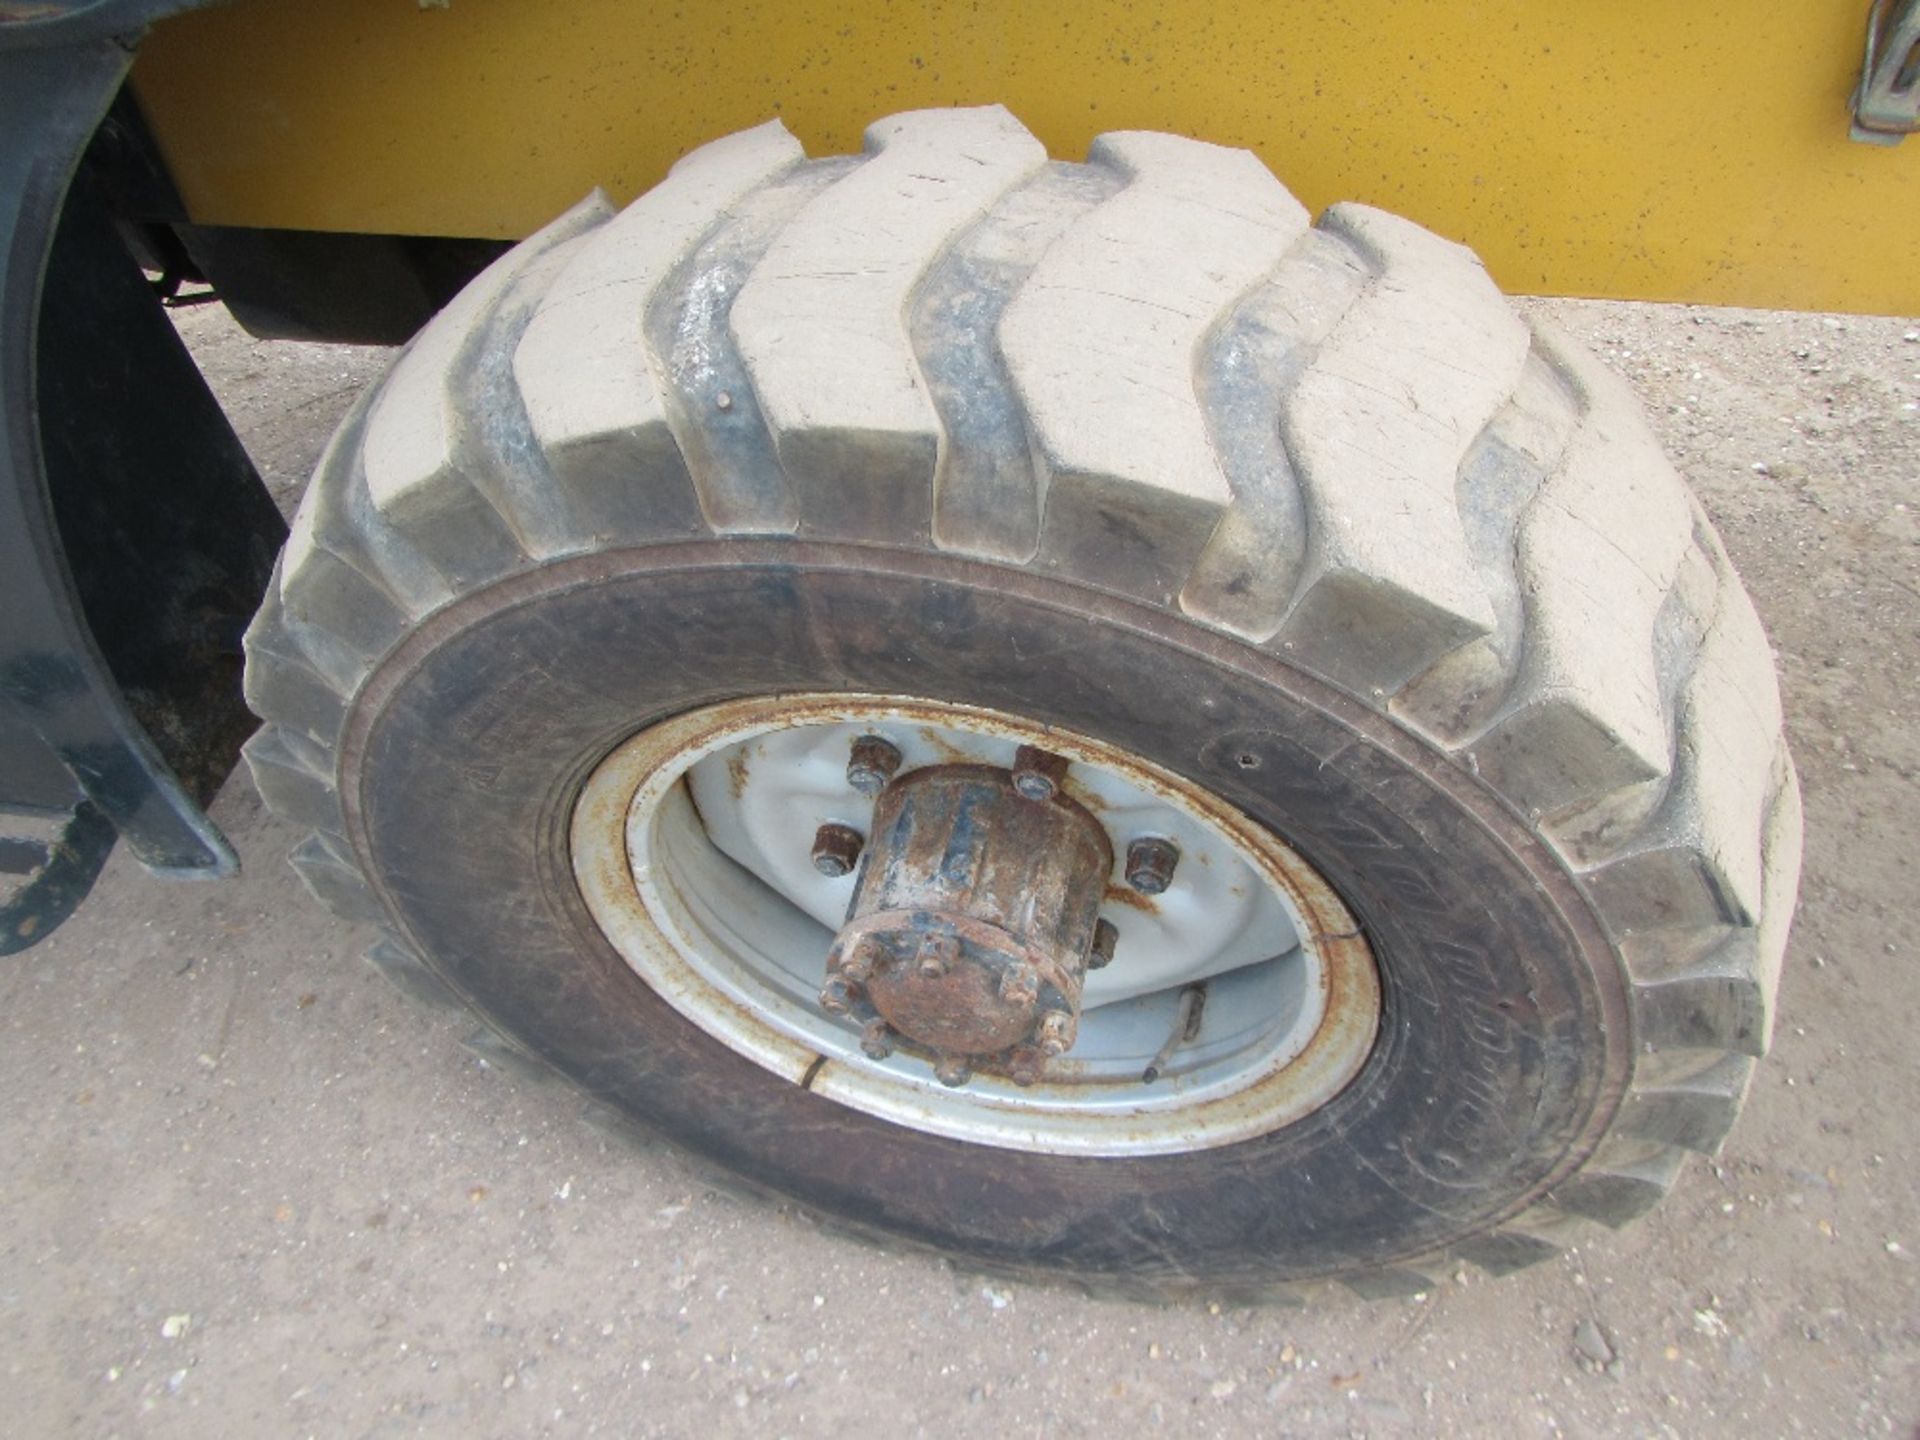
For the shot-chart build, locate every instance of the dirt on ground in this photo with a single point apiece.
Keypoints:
(250, 1190)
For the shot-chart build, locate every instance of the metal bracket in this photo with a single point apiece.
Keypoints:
(59, 869)
(1886, 105)
(133, 530)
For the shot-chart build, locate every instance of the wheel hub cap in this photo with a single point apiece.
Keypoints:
(973, 922)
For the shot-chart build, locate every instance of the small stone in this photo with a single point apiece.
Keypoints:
(175, 1381)
(1221, 1389)
(1591, 1344)
(1287, 1353)
(174, 1326)
(1708, 1322)
(1153, 1350)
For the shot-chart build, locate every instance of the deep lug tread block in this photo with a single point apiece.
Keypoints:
(1505, 1251)
(1390, 1284)
(591, 382)
(1132, 482)
(292, 789)
(822, 321)
(330, 877)
(1617, 1194)
(1692, 1109)
(409, 974)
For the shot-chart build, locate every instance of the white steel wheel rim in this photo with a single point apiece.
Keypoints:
(739, 949)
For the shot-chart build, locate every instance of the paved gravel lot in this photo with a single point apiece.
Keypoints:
(250, 1191)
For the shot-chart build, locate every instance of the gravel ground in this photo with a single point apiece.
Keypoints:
(249, 1190)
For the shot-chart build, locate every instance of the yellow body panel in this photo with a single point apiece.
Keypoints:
(1658, 149)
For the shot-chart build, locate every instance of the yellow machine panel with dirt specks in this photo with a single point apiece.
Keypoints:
(1633, 149)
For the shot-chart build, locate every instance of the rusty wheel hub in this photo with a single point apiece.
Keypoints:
(975, 918)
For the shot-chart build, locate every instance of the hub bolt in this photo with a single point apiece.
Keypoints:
(1020, 987)
(1150, 862)
(872, 764)
(838, 994)
(877, 1040)
(1026, 1065)
(1056, 1033)
(1037, 773)
(836, 849)
(953, 1071)
(1105, 939)
(937, 955)
(859, 964)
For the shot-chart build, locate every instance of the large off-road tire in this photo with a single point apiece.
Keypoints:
(1299, 511)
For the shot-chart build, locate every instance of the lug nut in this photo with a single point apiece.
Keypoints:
(836, 849)
(937, 955)
(858, 965)
(1150, 862)
(1026, 1065)
(953, 1071)
(1105, 939)
(1020, 987)
(1037, 773)
(838, 994)
(872, 764)
(1056, 1033)
(877, 1040)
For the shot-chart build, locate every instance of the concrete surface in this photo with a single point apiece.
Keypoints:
(249, 1191)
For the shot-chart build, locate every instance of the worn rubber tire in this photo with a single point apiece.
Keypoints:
(1302, 510)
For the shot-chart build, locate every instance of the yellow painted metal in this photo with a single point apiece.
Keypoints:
(1660, 149)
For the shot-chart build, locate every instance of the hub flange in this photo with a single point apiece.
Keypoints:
(974, 918)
